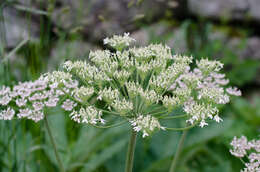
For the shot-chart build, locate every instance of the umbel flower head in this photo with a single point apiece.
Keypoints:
(138, 84)
(242, 148)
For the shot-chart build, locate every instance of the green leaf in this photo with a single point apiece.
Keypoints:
(200, 135)
(57, 125)
(103, 156)
(92, 140)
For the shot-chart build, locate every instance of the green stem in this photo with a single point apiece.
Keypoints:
(54, 145)
(110, 126)
(182, 129)
(130, 152)
(172, 117)
(176, 157)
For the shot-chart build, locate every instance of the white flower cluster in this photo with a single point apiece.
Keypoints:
(241, 147)
(147, 124)
(86, 72)
(200, 91)
(128, 82)
(83, 93)
(148, 96)
(108, 94)
(121, 76)
(87, 115)
(7, 114)
(118, 41)
(170, 102)
(122, 106)
(133, 89)
(200, 112)
(31, 98)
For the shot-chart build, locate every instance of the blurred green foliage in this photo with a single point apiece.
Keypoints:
(25, 146)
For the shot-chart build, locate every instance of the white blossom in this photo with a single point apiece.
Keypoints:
(108, 94)
(7, 114)
(233, 91)
(122, 106)
(68, 105)
(4, 90)
(170, 102)
(125, 82)
(5, 100)
(36, 115)
(24, 113)
(83, 93)
(38, 106)
(200, 112)
(241, 148)
(87, 115)
(121, 76)
(133, 89)
(21, 102)
(208, 66)
(52, 101)
(118, 41)
(147, 124)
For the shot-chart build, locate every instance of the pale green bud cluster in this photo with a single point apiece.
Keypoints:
(170, 102)
(108, 94)
(83, 93)
(122, 106)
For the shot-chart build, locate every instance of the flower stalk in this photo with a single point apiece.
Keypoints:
(61, 168)
(131, 152)
(179, 149)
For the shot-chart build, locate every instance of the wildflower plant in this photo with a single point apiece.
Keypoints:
(248, 152)
(138, 85)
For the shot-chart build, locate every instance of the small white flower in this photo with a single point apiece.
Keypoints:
(122, 106)
(217, 119)
(24, 113)
(108, 94)
(20, 102)
(36, 115)
(7, 114)
(52, 101)
(233, 91)
(118, 41)
(147, 124)
(38, 106)
(82, 94)
(4, 90)
(203, 123)
(242, 147)
(68, 105)
(89, 115)
(5, 100)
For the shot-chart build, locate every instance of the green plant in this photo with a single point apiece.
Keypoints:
(140, 86)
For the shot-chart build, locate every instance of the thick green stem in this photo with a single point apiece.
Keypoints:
(179, 148)
(61, 168)
(131, 152)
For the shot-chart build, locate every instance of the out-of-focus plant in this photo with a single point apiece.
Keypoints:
(247, 151)
(139, 85)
